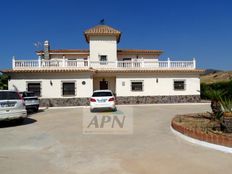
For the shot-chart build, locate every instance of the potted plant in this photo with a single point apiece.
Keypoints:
(226, 105)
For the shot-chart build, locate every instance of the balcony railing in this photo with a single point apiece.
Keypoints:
(65, 63)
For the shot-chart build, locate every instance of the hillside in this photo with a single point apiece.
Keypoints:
(218, 76)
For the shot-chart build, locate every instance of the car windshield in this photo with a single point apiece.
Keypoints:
(102, 94)
(9, 95)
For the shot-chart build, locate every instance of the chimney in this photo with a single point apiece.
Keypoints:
(46, 50)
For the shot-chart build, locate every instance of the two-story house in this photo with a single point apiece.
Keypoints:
(63, 77)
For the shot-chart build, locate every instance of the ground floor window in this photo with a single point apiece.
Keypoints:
(68, 88)
(34, 87)
(136, 85)
(179, 84)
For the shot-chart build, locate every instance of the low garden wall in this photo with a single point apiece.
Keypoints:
(214, 138)
(54, 102)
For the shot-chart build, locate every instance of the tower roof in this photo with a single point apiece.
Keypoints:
(102, 30)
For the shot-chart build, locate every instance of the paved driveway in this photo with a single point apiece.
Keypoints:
(52, 142)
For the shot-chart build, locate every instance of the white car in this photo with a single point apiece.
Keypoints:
(12, 106)
(31, 101)
(102, 99)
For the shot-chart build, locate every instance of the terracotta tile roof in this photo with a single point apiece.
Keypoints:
(122, 70)
(136, 51)
(60, 70)
(102, 30)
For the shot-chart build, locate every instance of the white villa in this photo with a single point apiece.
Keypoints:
(68, 77)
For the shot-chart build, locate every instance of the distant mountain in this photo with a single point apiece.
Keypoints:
(211, 71)
(213, 76)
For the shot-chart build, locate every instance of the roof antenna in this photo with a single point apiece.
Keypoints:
(102, 22)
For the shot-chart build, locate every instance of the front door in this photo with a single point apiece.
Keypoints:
(103, 85)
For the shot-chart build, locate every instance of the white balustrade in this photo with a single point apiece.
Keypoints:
(25, 63)
(103, 64)
(76, 63)
(182, 64)
(65, 63)
(52, 63)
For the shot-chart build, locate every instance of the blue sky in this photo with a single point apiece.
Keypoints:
(182, 28)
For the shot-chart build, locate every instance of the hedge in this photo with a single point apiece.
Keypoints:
(225, 86)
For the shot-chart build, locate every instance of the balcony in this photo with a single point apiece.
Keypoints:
(65, 63)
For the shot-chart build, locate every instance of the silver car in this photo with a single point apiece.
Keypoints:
(31, 101)
(12, 106)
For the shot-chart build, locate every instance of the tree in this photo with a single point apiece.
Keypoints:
(3, 81)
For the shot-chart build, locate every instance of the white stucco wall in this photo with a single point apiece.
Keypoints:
(163, 87)
(98, 48)
(134, 56)
(68, 56)
(152, 87)
(55, 90)
(103, 45)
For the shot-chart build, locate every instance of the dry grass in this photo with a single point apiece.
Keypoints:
(216, 77)
(201, 122)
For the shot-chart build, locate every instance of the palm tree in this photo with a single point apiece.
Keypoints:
(215, 97)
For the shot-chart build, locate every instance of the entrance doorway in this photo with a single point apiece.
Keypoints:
(103, 84)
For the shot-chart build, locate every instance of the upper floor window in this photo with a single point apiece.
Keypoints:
(34, 87)
(103, 59)
(179, 84)
(126, 59)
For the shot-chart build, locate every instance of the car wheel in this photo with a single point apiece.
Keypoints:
(36, 109)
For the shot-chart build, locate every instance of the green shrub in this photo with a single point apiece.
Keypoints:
(225, 86)
(213, 94)
(3, 81)
(226, 104)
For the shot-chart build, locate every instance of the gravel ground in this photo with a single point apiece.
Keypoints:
(52, 141)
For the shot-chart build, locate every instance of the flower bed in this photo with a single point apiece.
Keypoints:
(201, 127)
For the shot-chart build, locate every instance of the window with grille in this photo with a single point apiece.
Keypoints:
(34, 87)
(137, 86)
(179, 84)
(68, 88)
